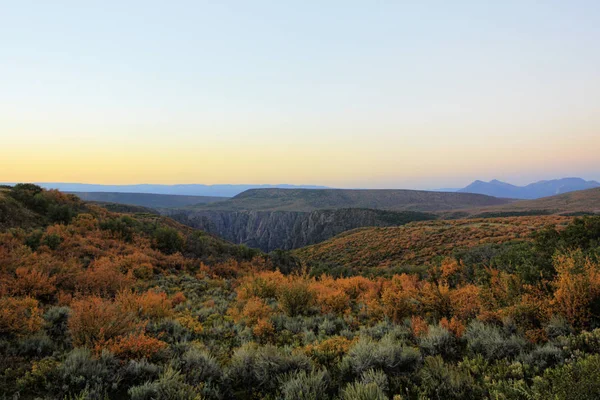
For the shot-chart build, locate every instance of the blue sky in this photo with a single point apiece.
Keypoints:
(348, 94)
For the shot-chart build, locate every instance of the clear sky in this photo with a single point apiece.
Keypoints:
(415, 94)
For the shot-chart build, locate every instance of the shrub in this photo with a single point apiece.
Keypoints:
(362, 391)
(441, 381)
(377, 377)
(489, 341)
(260, 367)
(558, 326)
(81, 371)
(296, 297)
(439, 341)
(94, 319)
(168, 240)
(329, 352)
(200, 367)
(545, 356)
(391, 357)
(305, 385)
(137, 372)
(169, 386)
(19, 316)
(577, 380)
(132, 346)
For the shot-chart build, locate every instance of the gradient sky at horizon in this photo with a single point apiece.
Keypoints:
(383, 94)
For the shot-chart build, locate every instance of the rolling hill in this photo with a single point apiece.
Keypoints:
(328, 199)
(147, 199)
(534, 190)
(418, 242)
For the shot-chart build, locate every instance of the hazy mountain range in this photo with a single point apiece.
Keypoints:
(534, 190)
(184, 189)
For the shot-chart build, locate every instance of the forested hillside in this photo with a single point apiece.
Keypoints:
(96, 304)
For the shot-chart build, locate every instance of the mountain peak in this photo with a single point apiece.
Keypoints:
(534, 190)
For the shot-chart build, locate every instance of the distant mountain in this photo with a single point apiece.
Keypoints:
(535, 190)
(146, 199)
(187, 189)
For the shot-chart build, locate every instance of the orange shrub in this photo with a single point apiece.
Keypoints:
(577, 288)
(178, 298)
(31, 282)
(331, 298)
(454, 326)
(330, 351)
(465, 302)
(132, 346)
(94, 319)
(419, 326)
(19, 316)
(154, 304)
(254, 310)
(435, 299)
(263, 285)
(190, 322)
(104, 278)
(263, 328)
(295, 296)
(399, 297)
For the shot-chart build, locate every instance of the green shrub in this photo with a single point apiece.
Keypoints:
(57, 328)
(259, 368)
(362, 391)
(439, 341)
(391, 357)
(169, 386)
(200, 367)
(558, 326)
(305, 385)
(137, 372)
(578, 380)
(377, 377)
(441, 381)
(168, 240)
(489, 341)
(81, 371)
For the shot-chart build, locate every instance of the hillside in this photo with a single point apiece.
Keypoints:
(534, 190)
(147, 199)
(583, 201)
(271, 230)
(324, 199)
(418, 242)
(102, 305)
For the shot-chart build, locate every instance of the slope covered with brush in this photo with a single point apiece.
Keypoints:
(100, 305)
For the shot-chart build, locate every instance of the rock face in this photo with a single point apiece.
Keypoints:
(270, 230)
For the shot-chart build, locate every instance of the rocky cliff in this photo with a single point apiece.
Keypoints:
(270, 230)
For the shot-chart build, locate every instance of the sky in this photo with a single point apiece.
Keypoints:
(373, 94)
